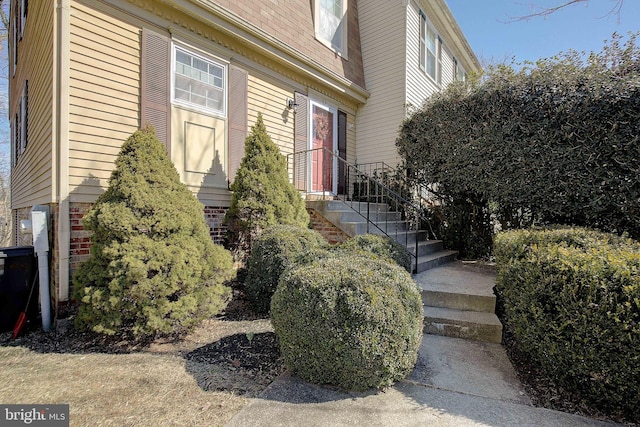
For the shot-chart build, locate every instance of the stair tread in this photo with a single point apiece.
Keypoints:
(436, 255)
(428, 242)
(470, 288)
(458, 278)
(461, 316)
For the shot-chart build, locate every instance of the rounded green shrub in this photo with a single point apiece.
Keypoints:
(383, 246)
(571, 298)
(273, 252)
(153, 267)
(349, 321)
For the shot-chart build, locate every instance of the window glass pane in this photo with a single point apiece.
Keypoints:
(198, 82)
(431, 64)
(330, 25)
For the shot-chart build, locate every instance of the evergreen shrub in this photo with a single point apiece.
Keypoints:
(571, 298)
(382, 246)
(555, 142)
(349, 321)
(153, 267)
(262, 193)
(272, 253)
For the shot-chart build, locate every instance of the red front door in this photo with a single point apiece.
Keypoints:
(323, 133)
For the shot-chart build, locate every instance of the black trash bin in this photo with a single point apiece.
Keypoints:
(18, 269)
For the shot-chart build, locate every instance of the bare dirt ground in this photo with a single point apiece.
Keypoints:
(203, 378)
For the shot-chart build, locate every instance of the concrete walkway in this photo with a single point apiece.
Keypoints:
(456, 382)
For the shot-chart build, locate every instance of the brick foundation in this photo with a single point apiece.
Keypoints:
(214, 216)
(80, 239)
(23, 239)
(329, 231)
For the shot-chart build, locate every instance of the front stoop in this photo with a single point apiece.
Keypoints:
(459, 302)
(350, 218)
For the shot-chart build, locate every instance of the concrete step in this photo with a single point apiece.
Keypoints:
(458, 287)
(350, 215)
(426, 247)
(407, 238)
(431, 261)
(473, 325)
(338, 205)
(387, 227)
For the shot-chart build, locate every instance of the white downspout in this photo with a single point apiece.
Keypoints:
(61, 149)
(39, 221)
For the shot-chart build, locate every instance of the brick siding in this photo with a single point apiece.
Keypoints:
(329, 231)
(214, 216)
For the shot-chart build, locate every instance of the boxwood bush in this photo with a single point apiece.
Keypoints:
(382, 246)
(273, 252)
(571, 297)
(349, 321)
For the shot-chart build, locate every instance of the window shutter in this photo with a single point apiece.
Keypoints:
(25, 117)
(16, 138)
(301, 141)
(342, 150)
(238, 82)
(155, 96)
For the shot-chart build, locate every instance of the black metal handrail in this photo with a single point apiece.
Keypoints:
(413, 191)
(322, 173)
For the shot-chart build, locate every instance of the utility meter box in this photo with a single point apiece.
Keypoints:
(40, 232)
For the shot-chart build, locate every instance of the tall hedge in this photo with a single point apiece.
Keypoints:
(552, 142)
(262, 193)
(153, 267)
(571, 298)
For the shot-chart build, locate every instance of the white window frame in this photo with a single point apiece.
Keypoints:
(425, 28)
(218, 112)
(461, 74)
(340, 49)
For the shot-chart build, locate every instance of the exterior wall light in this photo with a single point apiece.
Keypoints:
(292, 105)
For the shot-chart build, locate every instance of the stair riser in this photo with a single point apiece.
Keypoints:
(389, 228)
(338, 205)
(459, 301)
(427, 248)
(409, 238)
(471, 331)
(432, 263)
(351, 216)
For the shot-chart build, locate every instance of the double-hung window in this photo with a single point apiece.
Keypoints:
(428, 47)
(331, 24)
(199, 82)
(458, 71)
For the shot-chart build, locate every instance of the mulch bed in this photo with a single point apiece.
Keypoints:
(251, 357)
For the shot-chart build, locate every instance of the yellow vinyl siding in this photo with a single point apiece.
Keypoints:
(31, 178)
(267, 97)
(103, 96)
(383, 36)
